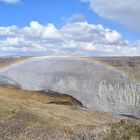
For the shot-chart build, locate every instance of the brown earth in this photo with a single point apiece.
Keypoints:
(26, 115)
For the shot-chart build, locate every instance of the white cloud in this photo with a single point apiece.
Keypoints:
(8, 31)
(37, 30)
(113, 36)
(11, 1)
(13, 41)
(124, 12)
(74, 38)
(76, 18)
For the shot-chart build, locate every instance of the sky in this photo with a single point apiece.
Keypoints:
(70, 27)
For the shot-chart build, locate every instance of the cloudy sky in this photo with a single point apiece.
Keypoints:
(70, 27)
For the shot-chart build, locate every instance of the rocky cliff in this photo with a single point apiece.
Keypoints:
(97, 86)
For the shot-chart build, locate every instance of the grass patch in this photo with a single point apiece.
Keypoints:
(125, 130)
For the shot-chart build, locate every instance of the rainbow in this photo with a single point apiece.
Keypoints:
(30, 59)
(89, 59)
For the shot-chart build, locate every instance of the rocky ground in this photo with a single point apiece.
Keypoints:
(128, 65)
(27, 115)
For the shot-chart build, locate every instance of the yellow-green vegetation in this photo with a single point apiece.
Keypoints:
(125, 130)
(27, 115)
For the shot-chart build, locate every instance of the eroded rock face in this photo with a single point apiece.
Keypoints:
(4, 80)
(96, 86)
(121, 98)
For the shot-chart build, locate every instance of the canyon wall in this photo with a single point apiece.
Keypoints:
(97, 86)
